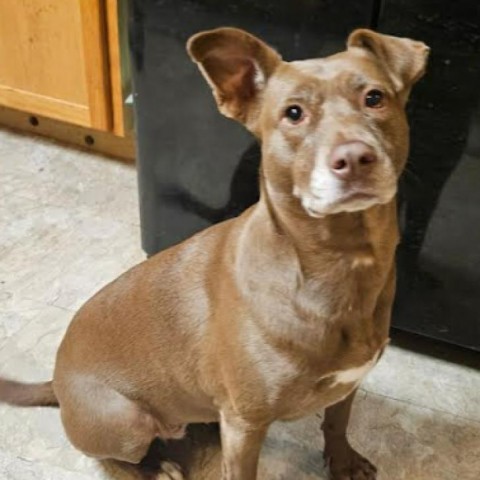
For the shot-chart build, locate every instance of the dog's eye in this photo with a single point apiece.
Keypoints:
(374, 99)
(294, 113)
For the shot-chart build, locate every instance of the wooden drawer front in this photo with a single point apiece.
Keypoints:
(53, 60)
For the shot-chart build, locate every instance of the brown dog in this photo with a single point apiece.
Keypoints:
(272, 315)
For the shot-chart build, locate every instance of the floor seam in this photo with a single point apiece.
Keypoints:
(413, 404)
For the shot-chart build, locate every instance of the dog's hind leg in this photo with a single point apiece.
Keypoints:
(104, 424)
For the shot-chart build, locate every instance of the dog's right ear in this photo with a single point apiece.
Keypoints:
(237, 66)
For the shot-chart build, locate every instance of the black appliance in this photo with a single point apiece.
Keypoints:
(197, 167)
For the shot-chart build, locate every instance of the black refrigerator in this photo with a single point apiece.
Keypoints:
(196, 167)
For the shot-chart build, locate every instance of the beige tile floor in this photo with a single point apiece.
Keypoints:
(69, 223)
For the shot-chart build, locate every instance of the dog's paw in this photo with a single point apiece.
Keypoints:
(170, 471)
(351, 467)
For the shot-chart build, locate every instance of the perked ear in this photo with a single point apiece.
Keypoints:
(405, 60)
(237, 66)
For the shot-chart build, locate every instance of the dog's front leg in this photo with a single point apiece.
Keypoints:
(343, 461)
(241, 445)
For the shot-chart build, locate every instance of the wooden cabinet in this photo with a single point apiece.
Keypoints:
(60, 59)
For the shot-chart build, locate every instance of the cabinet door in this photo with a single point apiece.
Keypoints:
(53, 60)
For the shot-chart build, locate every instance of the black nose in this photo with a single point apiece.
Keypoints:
(352, 159)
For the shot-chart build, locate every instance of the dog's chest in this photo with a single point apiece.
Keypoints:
(293, 388)
(339, 291)
(306, 394)
(353, 375)
(317, 349)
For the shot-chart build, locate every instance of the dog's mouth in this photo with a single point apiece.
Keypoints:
(351, 201)
(358, 196)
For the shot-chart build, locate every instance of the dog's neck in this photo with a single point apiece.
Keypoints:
(361, 237)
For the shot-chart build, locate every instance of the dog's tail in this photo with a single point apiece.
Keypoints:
(27, 394)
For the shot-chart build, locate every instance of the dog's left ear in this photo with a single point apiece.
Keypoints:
(405, 60)
(237, 66)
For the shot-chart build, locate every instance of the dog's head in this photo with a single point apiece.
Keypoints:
(333, 130)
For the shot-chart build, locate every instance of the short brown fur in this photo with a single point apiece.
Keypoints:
(272, 315)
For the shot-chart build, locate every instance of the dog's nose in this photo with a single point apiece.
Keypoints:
(351, 159)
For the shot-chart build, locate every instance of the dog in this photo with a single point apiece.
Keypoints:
(272, 315)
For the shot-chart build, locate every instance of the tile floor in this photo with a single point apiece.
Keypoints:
(69, 224)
